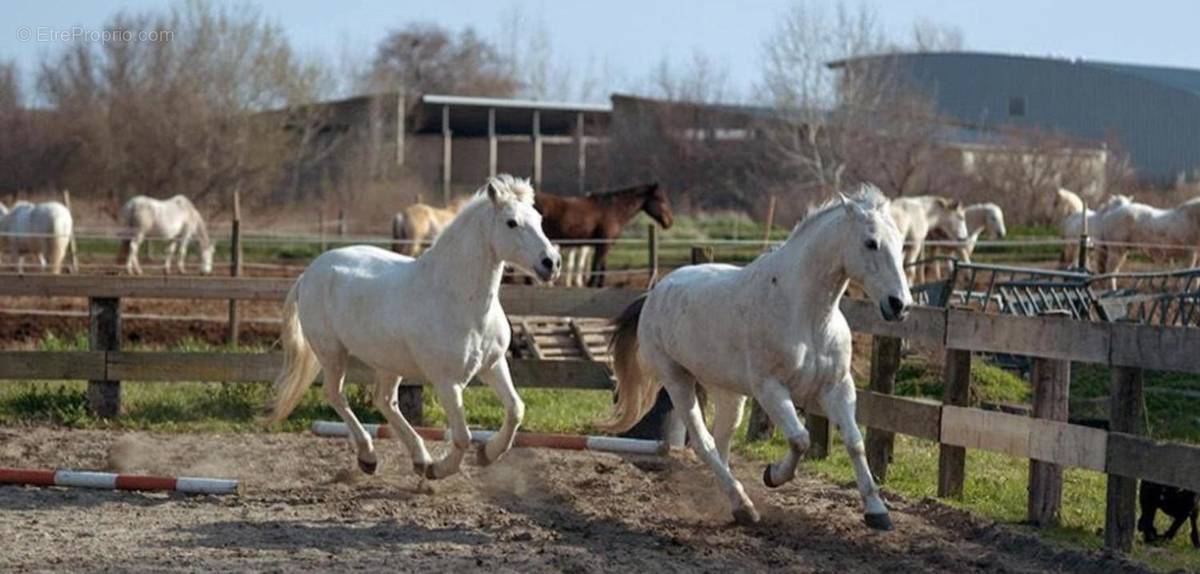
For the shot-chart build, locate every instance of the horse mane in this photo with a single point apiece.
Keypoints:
(867, 196)
(507, 188)
(622, 191)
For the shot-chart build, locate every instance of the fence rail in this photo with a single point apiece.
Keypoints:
(1048, 442)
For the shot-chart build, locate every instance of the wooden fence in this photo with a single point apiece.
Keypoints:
(1046, 438)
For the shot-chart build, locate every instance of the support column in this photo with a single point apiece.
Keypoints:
(104, 334)
(581, 142)
(493, 144)
(952, 460)
(447, 155)
(1125, 415)
(537, 149)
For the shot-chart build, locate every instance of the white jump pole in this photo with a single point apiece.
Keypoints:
(110, 481)
(524, 439)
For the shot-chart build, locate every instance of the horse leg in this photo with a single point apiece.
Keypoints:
(450, 395)
(1116, 258)
(385, 396)
(334, 367)
(727, 415)
(1176, 522)
(183, 247)
(500, 380)
(570, 256)
(170, 253)
(682, 390)
(586, 253)
(1195, 534)
(599, 265)
(776, 401)
(132, 266)
(838, 403)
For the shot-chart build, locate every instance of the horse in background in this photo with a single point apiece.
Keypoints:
(40, 229)
(983, 219)
(1139, 223)
(600, 217)
(1072, 214)
(418, 225)
(437, 318)
(916, 216)
(772, 330)
(175, 220)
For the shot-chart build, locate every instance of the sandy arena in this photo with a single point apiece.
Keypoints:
(304, 507)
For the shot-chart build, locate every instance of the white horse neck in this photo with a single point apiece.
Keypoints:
(808, 269)
(461, 261)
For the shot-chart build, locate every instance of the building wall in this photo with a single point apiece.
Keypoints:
(1158, 125)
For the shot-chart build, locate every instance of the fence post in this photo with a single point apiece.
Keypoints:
(652, 253)
(341, 222)
(1051, 383)
(66, 197)
(952, 460)
(885, 362)
(104, 334)
(321, 228)
(235, 266)
(1125, 410)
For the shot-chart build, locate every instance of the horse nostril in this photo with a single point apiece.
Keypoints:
(548, 263)
(895, 304)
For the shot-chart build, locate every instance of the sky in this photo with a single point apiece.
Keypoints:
(622, 40)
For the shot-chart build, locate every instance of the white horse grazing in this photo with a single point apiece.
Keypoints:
(175, 220)
(772, 330)
(916, 216)
(41, 229)
(1132, 222)
(437, 318)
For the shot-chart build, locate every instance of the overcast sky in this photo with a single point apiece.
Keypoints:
(628, 37)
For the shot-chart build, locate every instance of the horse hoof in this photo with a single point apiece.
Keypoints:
(880, 521)
(431, 473)
(745, 516)
(421, 469)
(368, 467)
(767, 478)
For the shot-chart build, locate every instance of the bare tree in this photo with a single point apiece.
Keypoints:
(426, 58)
(930, 36)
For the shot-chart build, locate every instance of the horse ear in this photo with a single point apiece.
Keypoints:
(846, 203)
(493, 193)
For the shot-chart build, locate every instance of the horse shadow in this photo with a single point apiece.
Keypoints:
(329, 535)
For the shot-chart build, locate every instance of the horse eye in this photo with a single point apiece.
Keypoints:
(512, 223)
(872, 244)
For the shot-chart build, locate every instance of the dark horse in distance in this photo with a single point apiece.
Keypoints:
(600, 216)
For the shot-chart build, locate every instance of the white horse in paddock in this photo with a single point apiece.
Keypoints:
(40, 229)
(983, 219)
(1176, 229)
(437, 318)
(1073, 215)
(916, 216)
(174, 219)
(772, 330)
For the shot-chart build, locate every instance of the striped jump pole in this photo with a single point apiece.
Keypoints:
(524, 439)
(110, 481)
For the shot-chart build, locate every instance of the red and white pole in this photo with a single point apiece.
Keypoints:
(110, 481)
(523, 439)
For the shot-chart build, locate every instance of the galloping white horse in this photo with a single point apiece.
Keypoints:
(437, 317)
(41, 229)
(916, 216)
(772, 330)
(175, 220)
(1132, 222)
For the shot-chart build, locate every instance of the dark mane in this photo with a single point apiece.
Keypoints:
(622, 191)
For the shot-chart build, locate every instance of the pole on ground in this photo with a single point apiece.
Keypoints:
(104, 334)
(66, 197)
(885, 363)
(235, 266)
(1125, 410)
(1051, 382)
(952, 460)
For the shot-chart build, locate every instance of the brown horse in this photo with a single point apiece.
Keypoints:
(600, 216)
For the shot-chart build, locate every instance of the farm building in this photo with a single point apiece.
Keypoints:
(1150, 112)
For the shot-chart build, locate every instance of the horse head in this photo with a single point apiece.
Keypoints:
(516, 227)
(951, 218)
(872, 252)
(657, 205)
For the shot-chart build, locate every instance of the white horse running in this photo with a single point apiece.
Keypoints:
(437, 318)
(1132, 223)
(175, 220)
(41, 229)
(916, 216)
(772, 330)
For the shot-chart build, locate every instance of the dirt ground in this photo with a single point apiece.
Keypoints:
(305, 507)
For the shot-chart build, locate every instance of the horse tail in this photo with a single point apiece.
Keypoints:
(61, 230)
(300, 365)
(635, 392)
